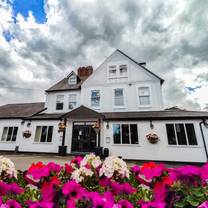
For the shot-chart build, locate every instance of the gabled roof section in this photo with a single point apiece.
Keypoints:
(63, 85)
(20, 110)
(142, 66)
(83, 112)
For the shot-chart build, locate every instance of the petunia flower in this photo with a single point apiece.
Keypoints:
(71, 204)
(204, 172)
(124, 204)
(12, 203)
(42, 205)
(151, 170)
(189, 170)
(203, 205)
(153, 205)
(73, 190)
(53, 167)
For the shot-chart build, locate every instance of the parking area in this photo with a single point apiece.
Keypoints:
(23, 161)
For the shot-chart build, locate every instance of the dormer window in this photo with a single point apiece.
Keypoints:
(72, 79)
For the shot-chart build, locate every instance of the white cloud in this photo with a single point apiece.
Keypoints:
(167, 35)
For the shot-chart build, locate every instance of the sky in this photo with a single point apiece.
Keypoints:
(41, 41)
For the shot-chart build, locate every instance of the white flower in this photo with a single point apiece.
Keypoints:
(79, 174)
(92, 160)
(7, 167)
(113, 165)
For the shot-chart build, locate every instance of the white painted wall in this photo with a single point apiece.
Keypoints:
(160, 151)
(137, 77)
(6, 145)
(51, 101)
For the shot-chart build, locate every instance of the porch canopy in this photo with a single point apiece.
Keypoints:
(83, 112)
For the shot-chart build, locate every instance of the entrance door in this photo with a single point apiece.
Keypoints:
(83, 137)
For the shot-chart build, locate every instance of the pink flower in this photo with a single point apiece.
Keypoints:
(151, 170)
(102, 201)
(77, 160)
(12, 204)
(41, 205)
(105, 182)
(125, 204)
(135, 169)
(73, 190)
(153, 205)
(15, 188)
(124, 188)
(38, 170)
(68, 168)
(48, 189)
(159, 191)
(204, 172)
(53, 167)
(189, 170)
(71, 204)
(203, 205)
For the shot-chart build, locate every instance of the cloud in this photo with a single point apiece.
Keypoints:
(167, 35)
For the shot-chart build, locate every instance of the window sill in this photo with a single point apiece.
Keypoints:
(11, 142)
(126, 145)
(184, 146)
(145, 106)
(119, 107)
(43, 143)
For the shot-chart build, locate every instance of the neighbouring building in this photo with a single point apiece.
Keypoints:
(118, 106)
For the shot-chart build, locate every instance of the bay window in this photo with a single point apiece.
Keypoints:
(43, 133)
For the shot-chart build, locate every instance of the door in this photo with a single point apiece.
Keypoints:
(83, 137)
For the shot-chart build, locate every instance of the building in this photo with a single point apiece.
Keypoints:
(118, 106)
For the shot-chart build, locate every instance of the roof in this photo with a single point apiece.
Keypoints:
(46, 116)
(156, 115)
(83, 112)
(63, 85)
(20, 110)
(142, 65)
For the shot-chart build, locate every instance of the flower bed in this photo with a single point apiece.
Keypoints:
(90, 183)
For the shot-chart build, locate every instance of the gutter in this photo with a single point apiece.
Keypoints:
(202, 133)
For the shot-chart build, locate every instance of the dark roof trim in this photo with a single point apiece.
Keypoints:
(142, 65)
(62, 90)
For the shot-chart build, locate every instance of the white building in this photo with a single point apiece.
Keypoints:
(124, 100)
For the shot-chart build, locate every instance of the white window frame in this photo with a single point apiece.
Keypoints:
(39, 141)
(75, 80)
(118, 75)
(11, 134)
(186, 135)
(120, 123)
(69, 101)
(150, 96)
(59, 102)
(124, 97)
(95, 107)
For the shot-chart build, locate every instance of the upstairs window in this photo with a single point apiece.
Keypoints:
(181, 134)
(112, 71)
(59, 102)
(125, 134)
(43, 133)
(95, 98)
(144, 96)
(123, 70)
(117, 71)
(118, 97)
(9, 134)
(72, 79)
(72, 101)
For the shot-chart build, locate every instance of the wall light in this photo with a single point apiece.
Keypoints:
(107, 125)
(151, 125)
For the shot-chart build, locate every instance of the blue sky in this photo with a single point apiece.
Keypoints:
(36, 6)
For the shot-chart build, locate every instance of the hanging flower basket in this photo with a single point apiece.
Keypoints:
(27, 134)
(152, 138)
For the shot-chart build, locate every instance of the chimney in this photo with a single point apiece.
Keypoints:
(84, 72)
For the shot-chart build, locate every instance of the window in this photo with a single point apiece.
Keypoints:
(43, 133)
(9, 134)
(72, 101)
(123, 70)
(95, 98)
(181, 134)
(118, 97)
(125, 134)
(59, 102)
(72, 80)
(144, 96)
(112, 71)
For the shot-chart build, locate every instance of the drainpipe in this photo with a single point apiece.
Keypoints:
(202, 133)
(64, 133)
